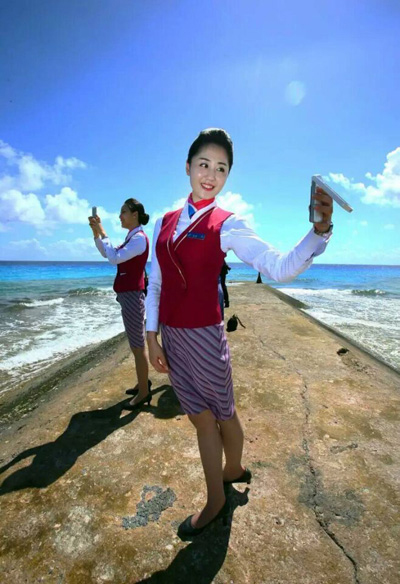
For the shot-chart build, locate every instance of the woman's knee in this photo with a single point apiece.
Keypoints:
(231, 422)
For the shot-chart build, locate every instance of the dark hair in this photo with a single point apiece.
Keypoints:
(134, 205)
(212, 136)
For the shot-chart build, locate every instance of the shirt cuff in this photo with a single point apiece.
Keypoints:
(152, 327)
(311, 243)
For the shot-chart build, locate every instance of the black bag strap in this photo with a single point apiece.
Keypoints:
(240, 322)
(233, 322)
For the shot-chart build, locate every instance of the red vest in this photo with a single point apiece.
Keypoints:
(130, 274)
(190, 267)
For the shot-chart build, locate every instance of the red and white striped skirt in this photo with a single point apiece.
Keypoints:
(200, 369)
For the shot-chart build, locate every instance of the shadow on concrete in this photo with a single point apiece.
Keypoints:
(85, 430)
(168, 405)
(202, 559)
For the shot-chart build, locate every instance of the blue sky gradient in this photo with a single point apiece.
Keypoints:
(100, 101)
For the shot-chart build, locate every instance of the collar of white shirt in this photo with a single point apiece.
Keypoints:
(199, 213)
(132, 232)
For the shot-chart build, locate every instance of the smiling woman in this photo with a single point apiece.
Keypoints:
(129, 284)
(209, 163)
(189, 247)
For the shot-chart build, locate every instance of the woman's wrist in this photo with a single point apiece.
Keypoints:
(323, 228)
(152, 337)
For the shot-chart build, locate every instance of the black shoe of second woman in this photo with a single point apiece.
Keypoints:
(139, 404)
(135, 390)
(187, 530)
(245, 477)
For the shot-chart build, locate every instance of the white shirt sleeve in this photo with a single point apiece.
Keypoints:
(134, 247)
(99, 244)
(154, 286)
(238, 236)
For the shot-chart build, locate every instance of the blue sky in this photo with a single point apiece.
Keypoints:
(101, 100)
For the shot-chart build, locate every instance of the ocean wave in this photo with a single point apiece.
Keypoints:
(89, 291)
(334, 292)
(372, 292)
(38, 303)
(351, 321)
(48, 347)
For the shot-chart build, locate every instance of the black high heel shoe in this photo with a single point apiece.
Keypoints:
(139, 404)
(245, 477)
(135, 390)
(187, 530)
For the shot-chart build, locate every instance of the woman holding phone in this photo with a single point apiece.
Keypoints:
(189, 248)
(129, 284)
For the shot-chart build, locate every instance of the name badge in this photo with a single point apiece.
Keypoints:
(194, 235)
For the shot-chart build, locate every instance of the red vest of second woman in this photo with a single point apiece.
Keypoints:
(190, 267)
(130, 274)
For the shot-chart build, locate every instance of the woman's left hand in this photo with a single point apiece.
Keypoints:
(97, 227)
(94, 226)
(325, 207)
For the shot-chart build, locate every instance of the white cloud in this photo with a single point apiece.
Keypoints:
(234, 202)
(81, 248)
(364, 223)
(7, 152)
(32, 174)
(386, 188)
(67, 207)
(389, 226)
(15, 206)
(230, 201)
(70, 163)
(31, 248)
(175, 205)
(20, 203)
(351, 254)
(295, 92)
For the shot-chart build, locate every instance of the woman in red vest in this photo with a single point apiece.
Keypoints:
(130, 259)
(189, 248)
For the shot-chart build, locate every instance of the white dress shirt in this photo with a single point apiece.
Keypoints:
(134, 245)
(247, 245)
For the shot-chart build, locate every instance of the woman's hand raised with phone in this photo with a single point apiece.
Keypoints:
(323, 206)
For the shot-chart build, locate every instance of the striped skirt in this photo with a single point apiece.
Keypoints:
(133, 312)
(200, 369)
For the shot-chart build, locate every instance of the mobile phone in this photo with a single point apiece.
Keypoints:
(318, 181)
(94, 211)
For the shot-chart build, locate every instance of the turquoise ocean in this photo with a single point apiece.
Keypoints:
(51, 309)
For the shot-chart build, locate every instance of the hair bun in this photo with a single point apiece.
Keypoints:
(144, 218)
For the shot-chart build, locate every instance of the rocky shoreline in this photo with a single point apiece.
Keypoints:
(91, 494)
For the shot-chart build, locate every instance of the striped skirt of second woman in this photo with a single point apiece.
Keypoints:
(200, 369)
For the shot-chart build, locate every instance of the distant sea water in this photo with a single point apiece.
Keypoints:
(50, 309)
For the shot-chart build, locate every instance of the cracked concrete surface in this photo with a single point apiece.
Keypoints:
(314, 480)
(321, 437)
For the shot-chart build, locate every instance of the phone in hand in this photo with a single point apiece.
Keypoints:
(318, 181)
(94, 211)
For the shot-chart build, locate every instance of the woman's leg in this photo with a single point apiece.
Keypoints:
(142, 372)
(232, 441)
(210, 446)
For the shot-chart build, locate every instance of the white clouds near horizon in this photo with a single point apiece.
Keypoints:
(20, 203)
(80, 248)
(386, 188)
